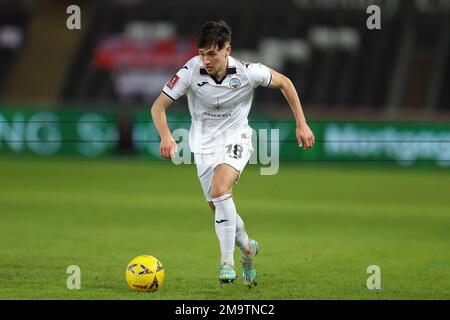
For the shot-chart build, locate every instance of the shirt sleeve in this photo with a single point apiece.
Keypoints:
(178, 84)
(259, 74)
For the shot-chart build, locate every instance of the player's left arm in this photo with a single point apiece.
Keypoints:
(305, 136)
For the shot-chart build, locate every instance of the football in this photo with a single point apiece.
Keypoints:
(145, 273)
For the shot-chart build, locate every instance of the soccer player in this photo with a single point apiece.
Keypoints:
(219, 90)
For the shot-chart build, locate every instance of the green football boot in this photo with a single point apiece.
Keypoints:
(248, 266)
(227, 274)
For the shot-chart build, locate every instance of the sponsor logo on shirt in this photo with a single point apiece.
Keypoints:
(217, 115)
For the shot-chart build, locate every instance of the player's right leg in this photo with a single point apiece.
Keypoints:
(225, 207)
(225, 176)
(249, 249)
(242, 240)
(225, 215)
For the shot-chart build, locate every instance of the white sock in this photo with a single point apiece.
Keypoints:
(242, 240)
(225, 225)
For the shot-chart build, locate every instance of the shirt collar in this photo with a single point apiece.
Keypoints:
(231, 69)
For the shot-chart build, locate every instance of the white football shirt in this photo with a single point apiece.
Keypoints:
(219, 109)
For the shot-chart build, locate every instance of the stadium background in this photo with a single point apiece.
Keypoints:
(82, 181)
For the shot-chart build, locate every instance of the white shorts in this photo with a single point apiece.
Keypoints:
(236, 153)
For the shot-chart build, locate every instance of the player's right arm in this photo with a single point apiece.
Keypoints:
(174, 89)
(168, 145)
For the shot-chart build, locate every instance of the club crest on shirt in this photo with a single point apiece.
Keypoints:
(234, 83)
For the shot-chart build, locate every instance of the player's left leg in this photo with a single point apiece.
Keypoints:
(248, 265)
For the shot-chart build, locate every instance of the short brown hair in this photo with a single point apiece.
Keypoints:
(214, 33)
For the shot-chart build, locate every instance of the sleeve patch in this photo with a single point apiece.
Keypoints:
(173, 81)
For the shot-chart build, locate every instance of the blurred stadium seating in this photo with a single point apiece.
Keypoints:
(127, 50)
(14, 17)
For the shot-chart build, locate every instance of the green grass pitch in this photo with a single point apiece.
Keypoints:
(319, 227)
